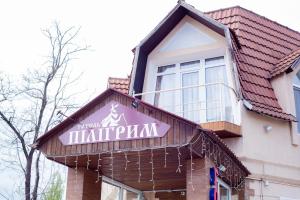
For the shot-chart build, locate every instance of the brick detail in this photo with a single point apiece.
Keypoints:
(200, 179)
(84, 187)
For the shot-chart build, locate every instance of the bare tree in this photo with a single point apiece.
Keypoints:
(28, 108)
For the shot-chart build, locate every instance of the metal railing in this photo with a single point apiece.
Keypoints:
(198, 103)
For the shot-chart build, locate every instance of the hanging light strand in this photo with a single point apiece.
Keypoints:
(88, 162)
(126, 160)
(65, 161)
(166, 153)
(98, 168)
(112, 164)
(139, 166)
(192, 169)
(76, 168)
(179, 160)
(152, 171)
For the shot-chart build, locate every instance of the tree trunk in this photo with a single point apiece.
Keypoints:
(28, 175)
(37, 177)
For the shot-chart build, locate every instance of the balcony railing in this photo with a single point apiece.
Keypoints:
(199, 103)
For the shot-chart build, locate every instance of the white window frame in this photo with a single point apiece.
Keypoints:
(122, 188)
(202, 81)
(297, 88)
(222, 183)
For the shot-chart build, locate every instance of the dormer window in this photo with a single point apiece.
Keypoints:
(296, 83)
(189, 73)
(196, 90)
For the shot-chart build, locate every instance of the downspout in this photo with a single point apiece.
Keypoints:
(237, 83)
(234, 66)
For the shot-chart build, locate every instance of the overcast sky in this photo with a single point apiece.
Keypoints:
(112, 28)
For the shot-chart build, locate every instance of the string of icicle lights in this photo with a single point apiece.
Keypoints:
(237, 179)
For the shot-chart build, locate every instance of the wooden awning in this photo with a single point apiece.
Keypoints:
(135, 161)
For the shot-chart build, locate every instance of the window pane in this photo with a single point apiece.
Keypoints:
(296, 79)
(167, 68)
(214, 61)
(109, 192)
(217, 95)
(190, 96)
(192, 64)
(297, 105)
(128, 195)
(224, 193)
(165, 99)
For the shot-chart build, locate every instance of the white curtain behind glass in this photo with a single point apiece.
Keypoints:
(165, 100)
(213, 93)
(190, 96)
(217, 95)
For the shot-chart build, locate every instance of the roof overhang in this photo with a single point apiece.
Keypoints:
(160, 32)
(204, 143)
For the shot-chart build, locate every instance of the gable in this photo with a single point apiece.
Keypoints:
(187, 35)
(159, 33)
(176, 130)
(188, 38)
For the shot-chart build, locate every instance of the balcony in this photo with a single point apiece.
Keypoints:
(213, 106)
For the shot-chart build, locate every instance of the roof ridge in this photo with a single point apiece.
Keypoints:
(289, 54)
(254, 13)
(222, 9)
(270, 20)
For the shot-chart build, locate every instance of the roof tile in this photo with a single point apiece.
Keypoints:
(285, 63)
(264, 44)
(119, 84)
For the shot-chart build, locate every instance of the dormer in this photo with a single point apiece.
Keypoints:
(185, 66)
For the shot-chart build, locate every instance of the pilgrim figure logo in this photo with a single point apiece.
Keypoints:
(113, 118)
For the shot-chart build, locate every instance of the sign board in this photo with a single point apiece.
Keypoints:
(114, 122)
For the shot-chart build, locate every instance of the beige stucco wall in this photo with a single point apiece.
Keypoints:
(283, 87)
(272, 157)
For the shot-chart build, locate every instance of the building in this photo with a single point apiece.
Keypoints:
(210, 110)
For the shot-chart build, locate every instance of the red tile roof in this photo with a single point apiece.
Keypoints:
(286, 63)
(262, 45)
(262, 49)
(119, 84)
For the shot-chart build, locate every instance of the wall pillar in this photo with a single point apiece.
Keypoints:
(85, 187)
(200, 179)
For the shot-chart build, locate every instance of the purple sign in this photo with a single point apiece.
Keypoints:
(114, 122)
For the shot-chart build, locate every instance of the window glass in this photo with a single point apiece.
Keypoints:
(109, 192)
(166, 69)
(296, 82)
(214, 61)
(296, 79)
(297, 103)
(198, 90)
(224, 193)
(217, 95)
(189, 65)
(165, 99)
(128, 195)
(190, 96)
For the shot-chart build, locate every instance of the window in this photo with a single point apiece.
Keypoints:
(296, 82)
(113, 190)
(223, 191)
(196, 90)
